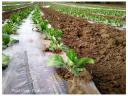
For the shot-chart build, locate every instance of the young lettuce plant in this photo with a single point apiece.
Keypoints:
(55, 36)
(55, 44)
(5, 61)
(74, 64)
(36, 16)
(9, 28)
(37, 19)
(50, 32)
(15, 18)
(5, 40)
(43, 26)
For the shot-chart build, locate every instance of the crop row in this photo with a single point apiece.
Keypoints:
(13, 3)
(15, 19)
(9, 28)
(96, 6)
(89, 10)
(73, 64)
(7, 8)
(88, 14)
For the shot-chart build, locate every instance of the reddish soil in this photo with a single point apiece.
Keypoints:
(66, 75)
(57, 51)
(75, 87)
(104, 43)
(5, 16)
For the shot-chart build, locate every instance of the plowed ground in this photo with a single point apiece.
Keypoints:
(104, 43)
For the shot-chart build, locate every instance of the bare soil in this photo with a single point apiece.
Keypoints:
(104, 43)
(66, 75)
(74, 83)
(57, 51)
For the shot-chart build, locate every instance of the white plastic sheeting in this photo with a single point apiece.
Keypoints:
(28, 72)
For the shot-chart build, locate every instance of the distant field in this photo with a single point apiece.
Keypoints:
(107, 6)
(105, 15)
(13, 5)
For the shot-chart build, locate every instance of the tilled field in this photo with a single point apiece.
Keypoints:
(104, 43)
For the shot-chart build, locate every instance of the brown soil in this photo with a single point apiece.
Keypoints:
(104, 43)
(5, 16)
(74, 83)
(57, 51)
(66, 75)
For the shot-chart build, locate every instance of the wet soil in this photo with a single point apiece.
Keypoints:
(104, 43)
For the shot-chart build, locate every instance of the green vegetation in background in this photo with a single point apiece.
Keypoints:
(89, 11)
(13, 3)
(95, 6)
(8, 8)
(87, 14)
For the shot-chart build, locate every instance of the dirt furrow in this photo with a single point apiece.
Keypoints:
(104, 43)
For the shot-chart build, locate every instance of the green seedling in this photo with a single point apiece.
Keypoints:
(5, 61)
(74, 64)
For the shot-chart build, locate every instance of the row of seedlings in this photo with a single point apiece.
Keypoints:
(109, 17)
(72, 63)
(9, 28)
